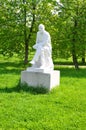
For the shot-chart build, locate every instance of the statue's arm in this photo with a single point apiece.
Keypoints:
(46, 40)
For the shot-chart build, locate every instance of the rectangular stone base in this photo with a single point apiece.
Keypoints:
(38, 79)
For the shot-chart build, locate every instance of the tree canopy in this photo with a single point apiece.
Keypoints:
(64, 19)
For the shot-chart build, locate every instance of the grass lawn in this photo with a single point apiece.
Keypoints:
(64, 108)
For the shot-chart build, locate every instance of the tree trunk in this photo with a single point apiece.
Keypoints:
(27, 38)
(75, 62)
(83, 56)
(26, 53)
(83, 60)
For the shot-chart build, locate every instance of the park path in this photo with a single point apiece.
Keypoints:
(71, 66)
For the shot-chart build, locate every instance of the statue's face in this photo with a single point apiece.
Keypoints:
(41, 29)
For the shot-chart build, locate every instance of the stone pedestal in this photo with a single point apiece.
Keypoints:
(40, 78)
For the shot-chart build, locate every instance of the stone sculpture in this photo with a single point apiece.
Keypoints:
(43, 56)
(41, 73)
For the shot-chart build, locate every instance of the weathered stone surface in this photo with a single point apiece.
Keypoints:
(41, 79)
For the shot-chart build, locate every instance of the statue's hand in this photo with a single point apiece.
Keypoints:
(35, 46)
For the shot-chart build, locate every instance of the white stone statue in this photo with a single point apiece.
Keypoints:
(43, 56)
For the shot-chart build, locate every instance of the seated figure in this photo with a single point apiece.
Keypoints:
(43, 56)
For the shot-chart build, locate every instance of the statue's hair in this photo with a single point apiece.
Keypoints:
(41, 25)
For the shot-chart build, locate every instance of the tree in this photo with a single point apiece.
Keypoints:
(10, 32)
(65, 20)
(70, 29)
(18, 25)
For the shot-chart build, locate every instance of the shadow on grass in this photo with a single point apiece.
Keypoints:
(11, 67)
(71, 72)
(16, 68)
(24, 88)
(14, 64)
(67, 63)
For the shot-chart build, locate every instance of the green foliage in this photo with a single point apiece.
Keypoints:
(72, 22)
(17, 26)
(11, 25)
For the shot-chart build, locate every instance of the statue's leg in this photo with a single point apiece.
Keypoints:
(36, 56)
(46, 58)
(42, 58)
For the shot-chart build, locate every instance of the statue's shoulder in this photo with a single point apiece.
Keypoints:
(47, 33)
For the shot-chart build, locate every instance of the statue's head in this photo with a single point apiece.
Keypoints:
(41, 28)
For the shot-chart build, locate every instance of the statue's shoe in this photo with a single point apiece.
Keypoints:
(42, 67)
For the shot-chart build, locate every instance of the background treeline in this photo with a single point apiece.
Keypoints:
(65, 20)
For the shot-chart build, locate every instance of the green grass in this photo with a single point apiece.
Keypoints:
(63, 108)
